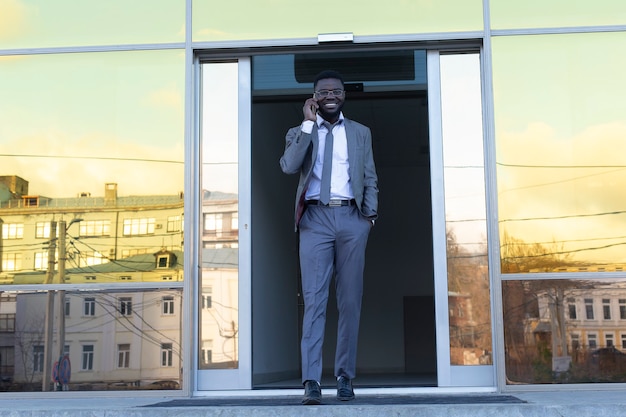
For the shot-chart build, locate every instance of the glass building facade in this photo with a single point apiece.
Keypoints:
(147, 241)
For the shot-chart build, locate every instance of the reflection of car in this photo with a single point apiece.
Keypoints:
(607, 351)
(164, 385)
(609, 358)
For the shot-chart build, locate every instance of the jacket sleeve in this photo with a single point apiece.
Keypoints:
(296, 145)
(370, 181)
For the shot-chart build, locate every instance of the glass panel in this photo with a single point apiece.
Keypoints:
(466, 224)
(506, 14)
(105, 348)
(559, 118)
(219, 21)
(565, 331)
(72, 128)
(219, 319)
(43, 23)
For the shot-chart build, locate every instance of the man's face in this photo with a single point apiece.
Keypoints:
(331, 105)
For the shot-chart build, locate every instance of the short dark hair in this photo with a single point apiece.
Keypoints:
(328, 74)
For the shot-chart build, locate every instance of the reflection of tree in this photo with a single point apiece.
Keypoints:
(519, 256)
(25, 342)
(468, 287)
(535, 326)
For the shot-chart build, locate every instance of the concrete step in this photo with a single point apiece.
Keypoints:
(530, 404)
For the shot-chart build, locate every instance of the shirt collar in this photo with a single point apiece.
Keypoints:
(320, 119)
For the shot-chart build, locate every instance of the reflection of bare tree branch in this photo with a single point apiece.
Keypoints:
(517, 256)
(26, 340)
(468, 286)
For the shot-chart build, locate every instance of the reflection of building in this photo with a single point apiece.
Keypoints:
(219, 309)
(594, 317)
(220, 220)
(109, 228)
(129, 338)
(113, 339)
(7, 336)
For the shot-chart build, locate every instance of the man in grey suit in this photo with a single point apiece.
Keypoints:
(336, 206)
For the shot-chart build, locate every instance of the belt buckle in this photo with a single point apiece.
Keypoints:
(334, 203)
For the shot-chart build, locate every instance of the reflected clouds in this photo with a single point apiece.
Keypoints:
(83, 120)
(559, 131)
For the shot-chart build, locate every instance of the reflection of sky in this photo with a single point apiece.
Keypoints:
(220, 130)
(560, 129)
(70, 123)
(463, 147)
(265, 19)
(46, 23)
(507, 14)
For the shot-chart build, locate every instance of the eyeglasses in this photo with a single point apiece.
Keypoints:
(326, 93)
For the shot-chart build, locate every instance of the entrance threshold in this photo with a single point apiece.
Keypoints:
(357, 391)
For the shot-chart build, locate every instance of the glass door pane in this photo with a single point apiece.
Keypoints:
(466, 217)
(462, 292)
(221, 327)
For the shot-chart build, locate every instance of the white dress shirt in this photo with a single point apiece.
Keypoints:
(340, 186)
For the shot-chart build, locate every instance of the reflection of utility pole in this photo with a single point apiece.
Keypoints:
(47, 362)
(61, 307)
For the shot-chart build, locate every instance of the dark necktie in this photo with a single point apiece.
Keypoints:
(328, 164)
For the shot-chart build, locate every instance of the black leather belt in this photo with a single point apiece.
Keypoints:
(331, 203)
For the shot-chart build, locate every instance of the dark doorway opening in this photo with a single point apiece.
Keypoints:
(397, 336)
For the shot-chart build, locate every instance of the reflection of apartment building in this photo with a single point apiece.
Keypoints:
(219, 312)
(594, 317)
(7, 336)
(113, 339)
(107, 228)
(219, 288)
(220, 220)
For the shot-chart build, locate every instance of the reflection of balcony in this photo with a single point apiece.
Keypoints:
(222, 234)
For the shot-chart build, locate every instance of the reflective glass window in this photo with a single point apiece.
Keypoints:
(545, 345)
(560, 121)
(219, 21)
(91, 149)
(43, 23)
(506, 14)
(105, 351)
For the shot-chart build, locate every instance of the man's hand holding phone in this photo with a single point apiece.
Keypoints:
(310, 109)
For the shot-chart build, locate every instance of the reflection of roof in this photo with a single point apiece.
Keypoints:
(218, 196)
(138, 263)
(99, 202)
(220, 258)
(543, 327)
(127, 201)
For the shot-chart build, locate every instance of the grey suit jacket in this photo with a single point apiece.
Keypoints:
(299, 156)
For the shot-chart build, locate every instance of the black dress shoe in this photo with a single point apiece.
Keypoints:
(344, 389)
(312, 393)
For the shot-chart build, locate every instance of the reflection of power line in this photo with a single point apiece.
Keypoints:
(559, 166)
(559, 182)
(564, 252)
(104, 158)
(126, 263)
(568, 216)
(465, 220)
(113, 311)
